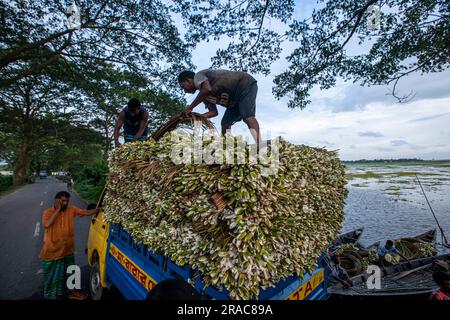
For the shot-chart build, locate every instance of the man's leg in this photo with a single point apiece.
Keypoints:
(54, 278)
(69, 260)
(247, 109)
(229, 118)
(225, 127)
(253, 125)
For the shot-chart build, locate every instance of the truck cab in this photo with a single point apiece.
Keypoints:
(117, 260)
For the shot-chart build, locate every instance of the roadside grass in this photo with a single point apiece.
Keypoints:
(11, 189)
(6, 184)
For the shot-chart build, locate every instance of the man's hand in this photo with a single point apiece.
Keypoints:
(57, 204)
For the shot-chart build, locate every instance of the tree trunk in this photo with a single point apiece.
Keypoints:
(23, 155)
(22, 165)
(106, 143)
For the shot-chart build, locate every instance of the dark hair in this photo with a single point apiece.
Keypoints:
(186, 75)
(133, 104)
(389, 243)
(61, 194)
(440, 276)
(173, 289)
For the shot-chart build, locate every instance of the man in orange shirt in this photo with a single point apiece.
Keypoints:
(57, 251)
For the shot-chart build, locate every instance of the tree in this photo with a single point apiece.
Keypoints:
(29, 110)
(138, 36)
(107, 90)
(246, 25)
(414, 36)
(68, 147)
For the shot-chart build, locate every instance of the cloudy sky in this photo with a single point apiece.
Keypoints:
(360, 122)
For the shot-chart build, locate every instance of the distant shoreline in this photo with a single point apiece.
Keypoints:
(444, 163)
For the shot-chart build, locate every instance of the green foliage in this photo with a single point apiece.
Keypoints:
(141, 40)
(6, 182)
(107, 90)
(414, 36)
(247, 26)
(137, 36)
(37, 131)
(90, 180)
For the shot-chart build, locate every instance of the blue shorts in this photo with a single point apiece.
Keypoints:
(130, 138)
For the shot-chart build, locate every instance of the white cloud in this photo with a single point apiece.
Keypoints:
(370, 134)
(397, 143)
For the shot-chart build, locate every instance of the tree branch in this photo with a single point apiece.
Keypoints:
(260, 26)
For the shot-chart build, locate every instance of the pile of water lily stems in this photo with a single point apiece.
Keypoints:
(263, 228)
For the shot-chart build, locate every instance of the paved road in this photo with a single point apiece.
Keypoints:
(21, 238)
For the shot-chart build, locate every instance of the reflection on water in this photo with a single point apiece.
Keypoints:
(389, 203)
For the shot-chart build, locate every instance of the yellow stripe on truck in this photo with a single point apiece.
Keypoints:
(305, 289)
(139, 274)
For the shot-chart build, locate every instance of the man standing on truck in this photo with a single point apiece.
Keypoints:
(235, 90)
(134, 119)
(57, 253)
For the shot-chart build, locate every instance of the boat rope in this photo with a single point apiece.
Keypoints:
(444, 239)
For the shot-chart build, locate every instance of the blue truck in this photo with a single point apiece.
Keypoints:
(135, 270)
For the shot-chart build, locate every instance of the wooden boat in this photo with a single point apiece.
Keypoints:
(406, 279)
(349, 237)
(428, 236)
(352, 258)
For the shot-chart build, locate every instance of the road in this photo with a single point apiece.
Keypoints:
(21, 239)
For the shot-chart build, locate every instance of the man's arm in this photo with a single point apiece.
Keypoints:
(402, 256)
(381, 261)
(81, 213)
(212, 111)
(55, 214)
(205, 90)
(142, 126)
(93, 211)
(119, 124)
(396, 251)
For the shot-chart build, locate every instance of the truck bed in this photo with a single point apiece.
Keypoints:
(135, 271)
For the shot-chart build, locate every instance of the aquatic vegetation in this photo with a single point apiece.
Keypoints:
(366, 175)
(360, 185)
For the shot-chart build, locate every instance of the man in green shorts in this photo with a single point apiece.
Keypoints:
(234, 90)
(57, 253)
